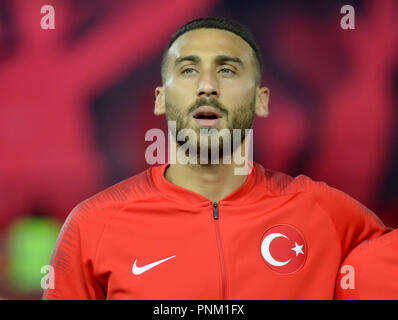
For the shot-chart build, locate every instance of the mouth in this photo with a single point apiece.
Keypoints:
(207, 116)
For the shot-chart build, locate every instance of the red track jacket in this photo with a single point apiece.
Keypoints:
(276, 237)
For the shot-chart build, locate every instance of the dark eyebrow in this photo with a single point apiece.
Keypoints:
(186, 58)
(219, 59)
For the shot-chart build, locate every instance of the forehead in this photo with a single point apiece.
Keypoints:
(210, 42)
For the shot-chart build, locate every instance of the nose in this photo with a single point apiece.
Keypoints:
(208, 86)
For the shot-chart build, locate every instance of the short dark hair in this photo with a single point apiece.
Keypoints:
(222, 24)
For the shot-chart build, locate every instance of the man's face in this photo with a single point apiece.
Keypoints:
(210, 82)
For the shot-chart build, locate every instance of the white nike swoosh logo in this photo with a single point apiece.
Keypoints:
(138, 270)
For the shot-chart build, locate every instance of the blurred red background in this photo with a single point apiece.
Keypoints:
(76, 101)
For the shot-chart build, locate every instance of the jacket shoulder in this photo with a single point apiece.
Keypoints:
(109, 201)
(278, 182)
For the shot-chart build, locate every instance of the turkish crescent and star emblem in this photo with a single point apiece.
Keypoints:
(283, 248)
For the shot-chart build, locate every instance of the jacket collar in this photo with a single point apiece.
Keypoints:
(182, 195)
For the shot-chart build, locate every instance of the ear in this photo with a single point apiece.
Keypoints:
(262, 99)
(160, 105)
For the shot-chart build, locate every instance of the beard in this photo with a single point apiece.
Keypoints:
(240, 117)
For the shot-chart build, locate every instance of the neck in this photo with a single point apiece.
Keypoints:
(212, 181)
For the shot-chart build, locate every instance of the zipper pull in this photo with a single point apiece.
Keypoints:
(215, 210)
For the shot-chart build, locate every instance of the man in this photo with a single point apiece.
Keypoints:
(201, 231)
(370, 271)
